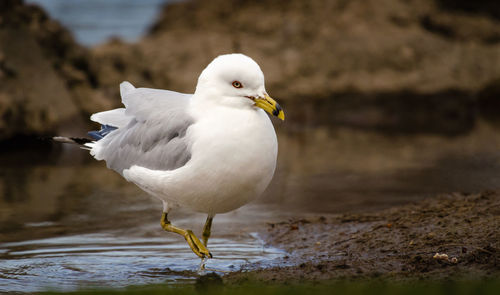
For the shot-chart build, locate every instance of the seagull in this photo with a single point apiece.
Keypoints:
(212, 151)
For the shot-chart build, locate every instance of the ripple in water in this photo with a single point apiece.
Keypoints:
(111, 261)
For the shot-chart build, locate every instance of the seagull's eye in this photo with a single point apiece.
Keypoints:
(237, 84)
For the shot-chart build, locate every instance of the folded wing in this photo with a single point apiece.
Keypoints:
(150, 131)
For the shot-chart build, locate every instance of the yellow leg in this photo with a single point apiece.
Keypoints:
(195, 244)
(206, 229)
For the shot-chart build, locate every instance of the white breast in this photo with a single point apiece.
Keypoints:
(233, 160)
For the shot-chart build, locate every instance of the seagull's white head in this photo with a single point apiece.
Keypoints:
(236, 80)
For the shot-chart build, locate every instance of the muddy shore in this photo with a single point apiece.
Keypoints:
(398, 244)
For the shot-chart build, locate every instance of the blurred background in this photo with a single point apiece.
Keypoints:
(387, 102)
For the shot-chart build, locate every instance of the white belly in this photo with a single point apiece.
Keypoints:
(233, 160)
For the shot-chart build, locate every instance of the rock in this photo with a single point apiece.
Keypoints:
(399, 66)
(320, 49)
(45, 79)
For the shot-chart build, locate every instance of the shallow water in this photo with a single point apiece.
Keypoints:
(67, 222)
(74, 225)
(114, 261)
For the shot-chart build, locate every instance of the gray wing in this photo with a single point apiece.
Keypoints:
(155, 135)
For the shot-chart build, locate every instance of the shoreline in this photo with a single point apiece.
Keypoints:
(398, 244)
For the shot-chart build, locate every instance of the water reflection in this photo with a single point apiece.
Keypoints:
(331, 170)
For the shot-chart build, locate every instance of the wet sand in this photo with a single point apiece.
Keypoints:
(397, 244)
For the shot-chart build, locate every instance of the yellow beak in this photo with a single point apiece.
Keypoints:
(270, 105)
